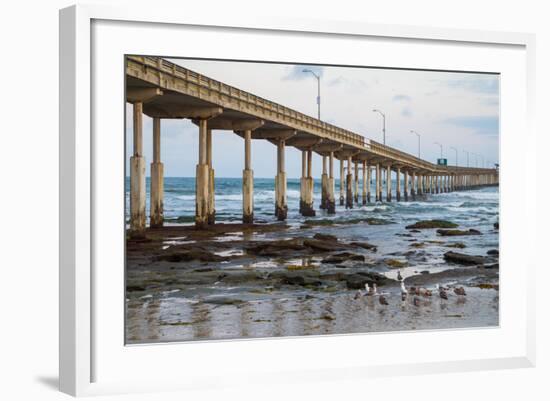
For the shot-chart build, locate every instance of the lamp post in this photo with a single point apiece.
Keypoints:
(318, 91)
(467, 158)
(456, 156)
(418, 135)
(383, 123)
(440, 147)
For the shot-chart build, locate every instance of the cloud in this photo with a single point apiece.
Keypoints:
(482, 125)
(480, 84)
(296, 72)
(401, 98)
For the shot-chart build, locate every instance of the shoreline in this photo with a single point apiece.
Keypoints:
(185, 284)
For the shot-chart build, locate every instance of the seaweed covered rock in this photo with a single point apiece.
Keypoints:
(464, 259)
(423, 224)
(454, 233)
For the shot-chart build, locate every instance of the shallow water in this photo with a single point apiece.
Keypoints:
(237, 310)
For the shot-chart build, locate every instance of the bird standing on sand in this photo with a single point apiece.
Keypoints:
(374, 289)
(442, 292)
(460, 291)
(382, 300)
(404, 291)
(399, 276)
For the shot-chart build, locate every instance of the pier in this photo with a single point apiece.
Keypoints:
(163, 90)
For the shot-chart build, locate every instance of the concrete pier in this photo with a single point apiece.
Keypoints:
(413, 193)
(306, 185)
(364, 187)
(137, 175)
(356, 183)
(342, 181)
(324, 185)
(211, 214)
(157, 180)
(369, 181)
(281, 208)
(406, 184)
(202, 179)
(248, 180)
(331, 201)
(160, 90)
(398, 184)
(388, 183)
(349, 191)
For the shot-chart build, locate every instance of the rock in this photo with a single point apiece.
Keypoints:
(190, 255)
(432, 224)
(424, 272)
(456, 245)
(394, 263)
(415, 231)
(324, 246)
(452, 233)
(365, 245)
(417, 245)
(493, 252)
(464, 259)
(274, 248)
(342, 257)
(325, 237)
(496, 225)
(377, 222)
(491, 266)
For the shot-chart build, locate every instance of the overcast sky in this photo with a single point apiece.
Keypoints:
(455, 109)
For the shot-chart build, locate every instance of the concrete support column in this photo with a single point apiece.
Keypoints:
(281, 208)
(211, 175)
(419, 185)
(369, 173)
(324, 185)
(331, 203)
(356, 183)
(202, 179)
(406, 184)
(248, 180)
(342, 180)
(349, 192)
(378, 183)
(157, 180)
(398, 184)
(364, 188)
(413, 194)
(306, 185)
(388, 183)
(137, 175)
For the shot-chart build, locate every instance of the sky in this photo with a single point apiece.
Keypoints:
(459, 110)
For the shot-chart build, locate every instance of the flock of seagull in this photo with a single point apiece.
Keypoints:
(415, 292)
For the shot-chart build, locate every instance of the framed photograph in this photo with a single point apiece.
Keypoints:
(276, 198)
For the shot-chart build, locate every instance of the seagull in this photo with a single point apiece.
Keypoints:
(460, 291)
(399, 276)
(382, 300)
(442, 292)
(404, 291)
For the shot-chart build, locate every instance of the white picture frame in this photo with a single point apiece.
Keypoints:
(87, 364)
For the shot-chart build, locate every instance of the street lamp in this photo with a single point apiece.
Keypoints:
(418, 135)
(467, 158)
(441, 148)
(318, 91)
(383, 122)
(456, 156)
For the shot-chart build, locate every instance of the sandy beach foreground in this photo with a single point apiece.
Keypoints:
(266, 280)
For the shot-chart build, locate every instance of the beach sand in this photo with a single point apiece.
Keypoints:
(269, 280)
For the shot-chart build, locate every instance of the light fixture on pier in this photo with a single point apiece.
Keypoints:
(318, 77)
(418, 135)
(383, 124)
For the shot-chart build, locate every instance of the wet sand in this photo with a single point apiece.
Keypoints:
(270, 280)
